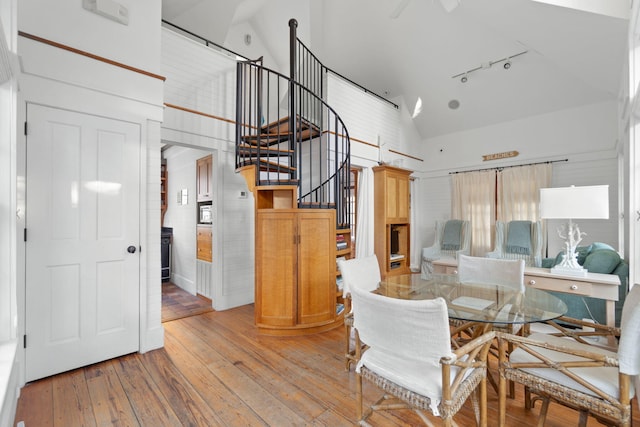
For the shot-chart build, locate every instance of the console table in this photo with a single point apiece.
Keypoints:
(595, 285)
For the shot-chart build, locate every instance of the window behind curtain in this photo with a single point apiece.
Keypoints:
(473, 198)
(519, 194)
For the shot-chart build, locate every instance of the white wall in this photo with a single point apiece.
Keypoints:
(181, 174)
(62, 79)
(10, 364)
(212, 92)
(586, 136)
(66, 22)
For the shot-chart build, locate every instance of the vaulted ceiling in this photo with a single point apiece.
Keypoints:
(410, 49)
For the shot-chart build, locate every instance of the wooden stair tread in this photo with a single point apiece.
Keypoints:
(276, 138)
(313, 205)
(254, 149)
(266, 165)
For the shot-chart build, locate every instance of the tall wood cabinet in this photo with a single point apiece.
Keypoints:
(295, 266)
(392, 228)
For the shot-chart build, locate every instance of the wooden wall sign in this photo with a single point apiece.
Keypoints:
(496, 156)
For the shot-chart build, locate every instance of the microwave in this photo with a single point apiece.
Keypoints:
(206, 216)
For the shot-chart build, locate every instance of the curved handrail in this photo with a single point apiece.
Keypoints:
(290, 120)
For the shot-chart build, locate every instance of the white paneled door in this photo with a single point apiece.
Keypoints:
(82, 247)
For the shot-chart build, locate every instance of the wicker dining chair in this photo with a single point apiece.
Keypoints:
(409, 357)
(363, 273)
(568, 370)
(494, 271)
(509, 273)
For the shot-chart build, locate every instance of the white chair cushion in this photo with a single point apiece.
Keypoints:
(417, 376)
(605, 378)
(361, 272)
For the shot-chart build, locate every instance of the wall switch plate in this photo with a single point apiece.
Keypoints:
(242, 194)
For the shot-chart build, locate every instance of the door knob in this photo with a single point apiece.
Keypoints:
(131, 249)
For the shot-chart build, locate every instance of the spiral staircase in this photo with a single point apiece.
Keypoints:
(289, 135)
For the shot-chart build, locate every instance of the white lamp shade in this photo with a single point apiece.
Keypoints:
(575, 202)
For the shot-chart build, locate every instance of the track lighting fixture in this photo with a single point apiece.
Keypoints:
(506, 64)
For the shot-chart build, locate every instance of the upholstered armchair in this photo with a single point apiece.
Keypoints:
(453, 237)
(518, 240)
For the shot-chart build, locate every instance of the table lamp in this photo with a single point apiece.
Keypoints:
(589, 202)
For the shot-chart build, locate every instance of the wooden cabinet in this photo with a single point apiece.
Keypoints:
(295, 271)
(203, 243)
(392, 229)
(204, 190)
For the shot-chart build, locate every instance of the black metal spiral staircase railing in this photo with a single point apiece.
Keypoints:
(293, 137)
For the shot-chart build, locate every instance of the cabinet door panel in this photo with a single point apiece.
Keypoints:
(316, 267)
(392, 198)
(203, 183)
(275, 269)
(403, 199)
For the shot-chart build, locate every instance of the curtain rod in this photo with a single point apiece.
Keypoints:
(499, 168)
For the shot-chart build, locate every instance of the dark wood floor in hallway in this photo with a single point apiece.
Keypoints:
(216, 370)
(178, 303)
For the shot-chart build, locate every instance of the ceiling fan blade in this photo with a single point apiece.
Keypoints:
(449, 5)
(399, 8)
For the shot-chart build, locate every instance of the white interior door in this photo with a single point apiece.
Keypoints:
(82, 257)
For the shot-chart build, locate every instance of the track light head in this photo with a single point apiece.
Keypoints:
(507, 64)
(464, 79)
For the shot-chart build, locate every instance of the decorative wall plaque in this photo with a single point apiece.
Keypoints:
(496, 156)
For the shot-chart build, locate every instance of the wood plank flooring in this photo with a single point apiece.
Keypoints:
(178, 303)
(216, 370)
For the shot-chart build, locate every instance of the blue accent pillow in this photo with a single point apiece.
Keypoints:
(602, 261)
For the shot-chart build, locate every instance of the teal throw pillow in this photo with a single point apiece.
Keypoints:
(602, 261)
(582, 252)
(599, 245)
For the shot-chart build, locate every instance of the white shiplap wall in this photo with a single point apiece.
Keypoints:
(181, 175)
(366, 117)
(599, 171)
(201, 79)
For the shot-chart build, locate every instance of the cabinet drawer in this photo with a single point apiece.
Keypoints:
(203, 244)
(559, 285)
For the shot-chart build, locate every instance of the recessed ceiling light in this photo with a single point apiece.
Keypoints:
(454, 104)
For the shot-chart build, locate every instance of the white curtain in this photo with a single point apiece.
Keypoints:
(519, 191)
(473, 198)
(364, 230)
(519, 194)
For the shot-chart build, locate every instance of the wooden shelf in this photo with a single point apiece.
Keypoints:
(392, 229)
(276, 197)
(163, 191)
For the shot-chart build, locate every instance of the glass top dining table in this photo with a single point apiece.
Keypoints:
(477, 302)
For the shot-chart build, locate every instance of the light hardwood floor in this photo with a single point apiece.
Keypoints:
(215, 370)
